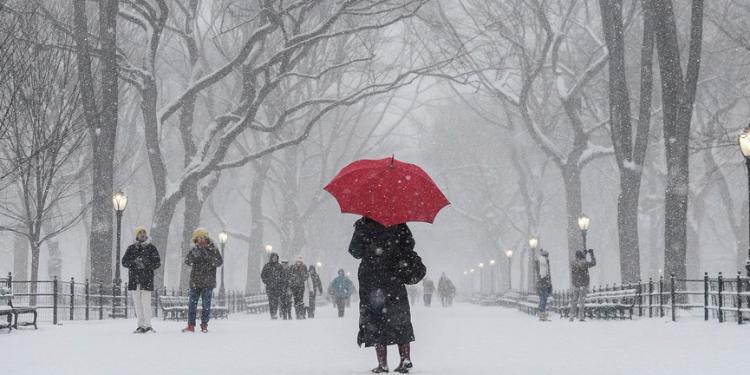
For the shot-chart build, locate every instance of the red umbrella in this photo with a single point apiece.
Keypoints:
(388, 191)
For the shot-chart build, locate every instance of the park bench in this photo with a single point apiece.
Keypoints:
(529, 304)
(176, 308)
(12, 312)
(509, 299)
(611, 304)
(5, 309)
(256, 303)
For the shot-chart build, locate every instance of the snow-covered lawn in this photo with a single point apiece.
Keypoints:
(463, 340)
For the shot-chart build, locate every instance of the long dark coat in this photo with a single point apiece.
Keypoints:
(580, 271)
(137, 275)
(203, 272)
(298, 275)
(388, 262)
(273, 274)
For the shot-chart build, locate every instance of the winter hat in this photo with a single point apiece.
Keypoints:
(140, 229)
(200, 232)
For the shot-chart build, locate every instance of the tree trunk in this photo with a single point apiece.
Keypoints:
(678, 96)
(20, 257)
(34, 271)
(163, 214)
(572, 181)
(255, 244)
(191, 221)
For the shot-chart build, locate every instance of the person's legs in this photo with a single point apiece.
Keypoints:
(581, 303)
(193, 305)
(311, 310)
(299, 303)
(145, 308)
(273, 303)
(206, 294)
(138, 307)
(341, 304)
(404, 351)
(381, 352)
(573, 304)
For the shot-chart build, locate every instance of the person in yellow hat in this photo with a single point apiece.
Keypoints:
(141, 259)
(204, 258)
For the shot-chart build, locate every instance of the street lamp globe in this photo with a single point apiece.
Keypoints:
(744, 141)
(583, 222)
(120, 201)
(319, 264)
(481, 265)
(471, 270)
(466, 272)
(533, 242)
(509, 253)
(269, 249)
(492, 262)
(223, 237)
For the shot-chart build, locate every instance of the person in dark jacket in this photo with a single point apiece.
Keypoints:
(297, 278)
(315, 288)
(141, 259)
(388, 261)
(428, 289)
(340, 290)
(272, 276)
(285, 302)
(204, 258)
(580, 272)
(443, 289)
(543, 283)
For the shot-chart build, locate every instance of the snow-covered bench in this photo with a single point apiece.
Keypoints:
(5, 309)
(176, 307)
(611, 303)
(13, 312)
(256, 303)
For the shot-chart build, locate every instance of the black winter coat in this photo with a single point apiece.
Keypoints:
(317, 285)
(298, 275)
(580, 271)
(141, 273)
(543, 284)
(204, 263)
(273, 276)
(388, 262)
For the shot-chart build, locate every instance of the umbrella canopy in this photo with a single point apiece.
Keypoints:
(388, 191)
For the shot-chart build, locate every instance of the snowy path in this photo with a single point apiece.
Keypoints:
(463, 340)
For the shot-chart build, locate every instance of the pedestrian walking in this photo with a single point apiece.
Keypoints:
(451, 292)
(314, 287)
(388, 262)
(543, 283)
(580, 271)
(428, 288)
(285, 302)
(141, 259)
(340, 289)
(413, 292)
(272, 276)
(203, 259)
(444, 289)
(297, 278)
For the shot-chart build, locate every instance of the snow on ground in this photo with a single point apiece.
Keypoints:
(463, 340)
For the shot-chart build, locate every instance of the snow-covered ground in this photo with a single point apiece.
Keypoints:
(463, 340)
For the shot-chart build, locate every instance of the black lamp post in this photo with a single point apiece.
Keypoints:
(533, 245)
(744, 142)
(583, 225)
(509, 255)
(482, 289)
(223, 236)
(119, 201)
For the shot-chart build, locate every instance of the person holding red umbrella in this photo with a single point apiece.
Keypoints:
(387, 193)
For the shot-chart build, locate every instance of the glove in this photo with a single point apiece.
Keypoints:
(139, 263)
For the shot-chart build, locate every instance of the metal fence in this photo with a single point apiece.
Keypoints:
(719, 298)
(57, 300)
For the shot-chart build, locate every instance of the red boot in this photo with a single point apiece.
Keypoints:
(190, 328)
(204, 327)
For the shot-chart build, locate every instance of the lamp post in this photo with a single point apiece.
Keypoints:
(744, 142)
(223, 237)
(493, 284)
(471, 280)
(509, 255)
(533, 245)
(119, 201)
(583, 225)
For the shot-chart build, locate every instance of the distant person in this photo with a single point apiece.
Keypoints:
(285, 302)
(388, 262)
(413, 291)
(543, 283)
(428, 289)
(203, 259)
(340, 290)
(314, 287)
(273, 277)
(451, 292)
(580, 270)
(297, 278)
(141, 259)
(444, 289)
